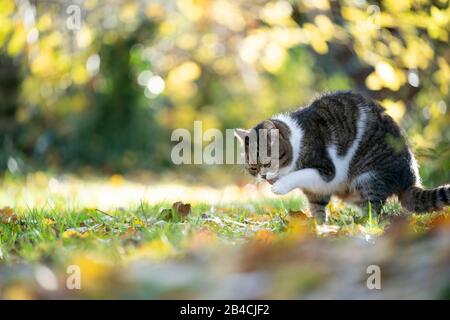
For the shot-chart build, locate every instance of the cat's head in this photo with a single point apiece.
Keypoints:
(268, 151)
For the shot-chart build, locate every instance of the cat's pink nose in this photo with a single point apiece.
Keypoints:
(272, 181)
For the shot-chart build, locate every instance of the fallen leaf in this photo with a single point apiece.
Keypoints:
(95, 271)
(7, 215)
(158, 249)
(183, 209)
(301, 215)
(18, 292)
(49, 222)
(202, 238)
(265, 236)
(299, 226)
(440, 221)
(72, 233)
(139, 223)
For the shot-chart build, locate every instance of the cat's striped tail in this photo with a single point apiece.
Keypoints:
(417, 199)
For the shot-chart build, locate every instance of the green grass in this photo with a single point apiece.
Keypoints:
(37, 234)
(59, 234)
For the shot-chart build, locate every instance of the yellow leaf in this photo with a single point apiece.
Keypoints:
(94, 272)
(72, 233)
(48, 222)
(17, 292)
(373, 82)
(390, 77)
(273, 58)
(158, 249)
(17, 41)
(265, 236)
(44, 23)
(385, 71)
(396, 109)
(6, 7)
(116, 180)
(5, 29)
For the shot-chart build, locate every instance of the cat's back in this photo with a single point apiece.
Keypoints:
(347, 135)
(344, 119)
(361, 129)
(344, 104)
(341, 108)
(341, 113)
(336, 118)
(344, 110)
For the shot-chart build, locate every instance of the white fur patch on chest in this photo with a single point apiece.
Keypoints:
(295, 139)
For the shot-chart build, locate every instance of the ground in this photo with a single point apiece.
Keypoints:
(172, 240)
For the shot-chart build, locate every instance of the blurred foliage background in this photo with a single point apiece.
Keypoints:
(106, 93)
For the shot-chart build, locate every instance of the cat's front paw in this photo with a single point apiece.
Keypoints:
(280, 188)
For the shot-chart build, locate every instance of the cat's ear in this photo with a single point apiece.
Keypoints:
(241, 134)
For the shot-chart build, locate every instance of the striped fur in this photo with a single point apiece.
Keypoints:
(417, 199)
(346, 145)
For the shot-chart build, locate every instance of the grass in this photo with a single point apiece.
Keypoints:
(32, 234)
(228, 239)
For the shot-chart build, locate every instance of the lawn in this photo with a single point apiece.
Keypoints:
(129, 239)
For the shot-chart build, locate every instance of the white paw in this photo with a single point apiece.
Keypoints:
(280, 188)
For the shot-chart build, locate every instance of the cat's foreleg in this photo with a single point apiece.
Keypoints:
(303, 179)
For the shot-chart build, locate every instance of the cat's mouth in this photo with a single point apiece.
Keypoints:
(272, 181)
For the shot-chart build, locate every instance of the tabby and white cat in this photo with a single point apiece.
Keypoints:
(345, 145)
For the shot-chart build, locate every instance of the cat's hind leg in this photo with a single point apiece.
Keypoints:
(371, 190)
(317, 206)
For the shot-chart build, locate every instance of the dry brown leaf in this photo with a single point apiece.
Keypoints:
(7, 215)
(183, 209)
(440, 221)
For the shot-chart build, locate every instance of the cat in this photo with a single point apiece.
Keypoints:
(345, 145)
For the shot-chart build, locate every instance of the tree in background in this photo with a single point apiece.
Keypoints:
(109, 93)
